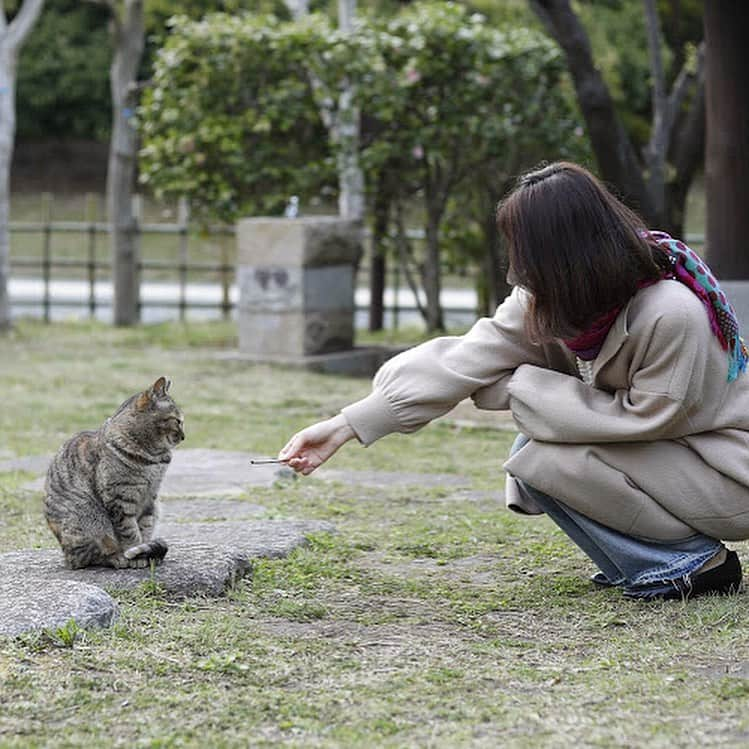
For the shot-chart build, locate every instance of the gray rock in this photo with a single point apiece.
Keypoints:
(204, 559)
(189, 569)
(32, 603)
(258, 538)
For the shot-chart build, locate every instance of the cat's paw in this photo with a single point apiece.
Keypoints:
(138, 563)
(159, 548)
(153, 550)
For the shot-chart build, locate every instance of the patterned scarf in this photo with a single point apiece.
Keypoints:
(694, 273)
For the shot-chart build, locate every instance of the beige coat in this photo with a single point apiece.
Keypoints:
(657, 447)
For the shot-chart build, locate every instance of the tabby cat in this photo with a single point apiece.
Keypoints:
(101, 487)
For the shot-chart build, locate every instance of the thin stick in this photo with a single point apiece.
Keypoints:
(265, 462)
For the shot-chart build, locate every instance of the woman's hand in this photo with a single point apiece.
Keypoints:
(311, 447)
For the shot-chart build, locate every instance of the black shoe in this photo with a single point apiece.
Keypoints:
(601, 580)
(723, 579)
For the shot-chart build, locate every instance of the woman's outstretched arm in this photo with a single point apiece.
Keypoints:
(311, 447)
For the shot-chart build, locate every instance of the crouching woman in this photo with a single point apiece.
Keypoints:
(620, 359)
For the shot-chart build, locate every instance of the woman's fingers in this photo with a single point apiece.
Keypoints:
(297, 464)
(304, 464)
(292, 447)
(310, 448)
(297, 453)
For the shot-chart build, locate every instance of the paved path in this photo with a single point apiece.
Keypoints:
(214, 534)
(213, 538)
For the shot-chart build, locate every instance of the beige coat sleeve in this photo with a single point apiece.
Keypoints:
(428, 380)
(553, 407)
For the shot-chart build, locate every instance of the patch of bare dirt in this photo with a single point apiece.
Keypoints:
(474, 570)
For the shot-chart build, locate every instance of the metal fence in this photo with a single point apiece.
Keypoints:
(92, 266)
(94, 271)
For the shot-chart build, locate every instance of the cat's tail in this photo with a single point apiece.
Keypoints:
(155, 550)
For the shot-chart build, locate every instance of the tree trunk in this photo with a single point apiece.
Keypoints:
(687, 155)
(431, 272)
(7, 137)
(495, 274)
(727, 152)
(676, 130)
(343, 128)
(128, 49)
(658, 145)
(350, 175)
(378, 262)
(614, 153)
(12, 37)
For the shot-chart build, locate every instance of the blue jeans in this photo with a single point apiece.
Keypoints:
(624, 560)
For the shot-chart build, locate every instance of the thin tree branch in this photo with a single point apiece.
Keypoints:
(404, 252)
(681, 86)
(688, 144)
(614, 152)
(23, 22)
(114, 16)
(653, 28)
(655, 151)
(133, 26)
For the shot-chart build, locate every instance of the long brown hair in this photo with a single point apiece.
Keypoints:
(574, 247)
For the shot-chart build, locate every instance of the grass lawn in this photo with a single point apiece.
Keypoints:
(432, 618)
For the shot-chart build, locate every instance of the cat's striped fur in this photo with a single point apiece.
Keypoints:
(101, 488)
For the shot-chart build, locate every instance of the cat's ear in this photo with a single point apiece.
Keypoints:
(161, 387)
(158, 390)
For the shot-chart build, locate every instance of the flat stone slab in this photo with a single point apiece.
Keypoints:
(258, 538)
(392, 478)
(189, 569)
(193, 472)
(28, 604)
(37, 591)
(190, 510)
(203, 558)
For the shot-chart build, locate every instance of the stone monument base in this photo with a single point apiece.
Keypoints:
(361, 361)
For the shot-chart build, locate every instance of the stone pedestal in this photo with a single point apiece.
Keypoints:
(296, 286)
